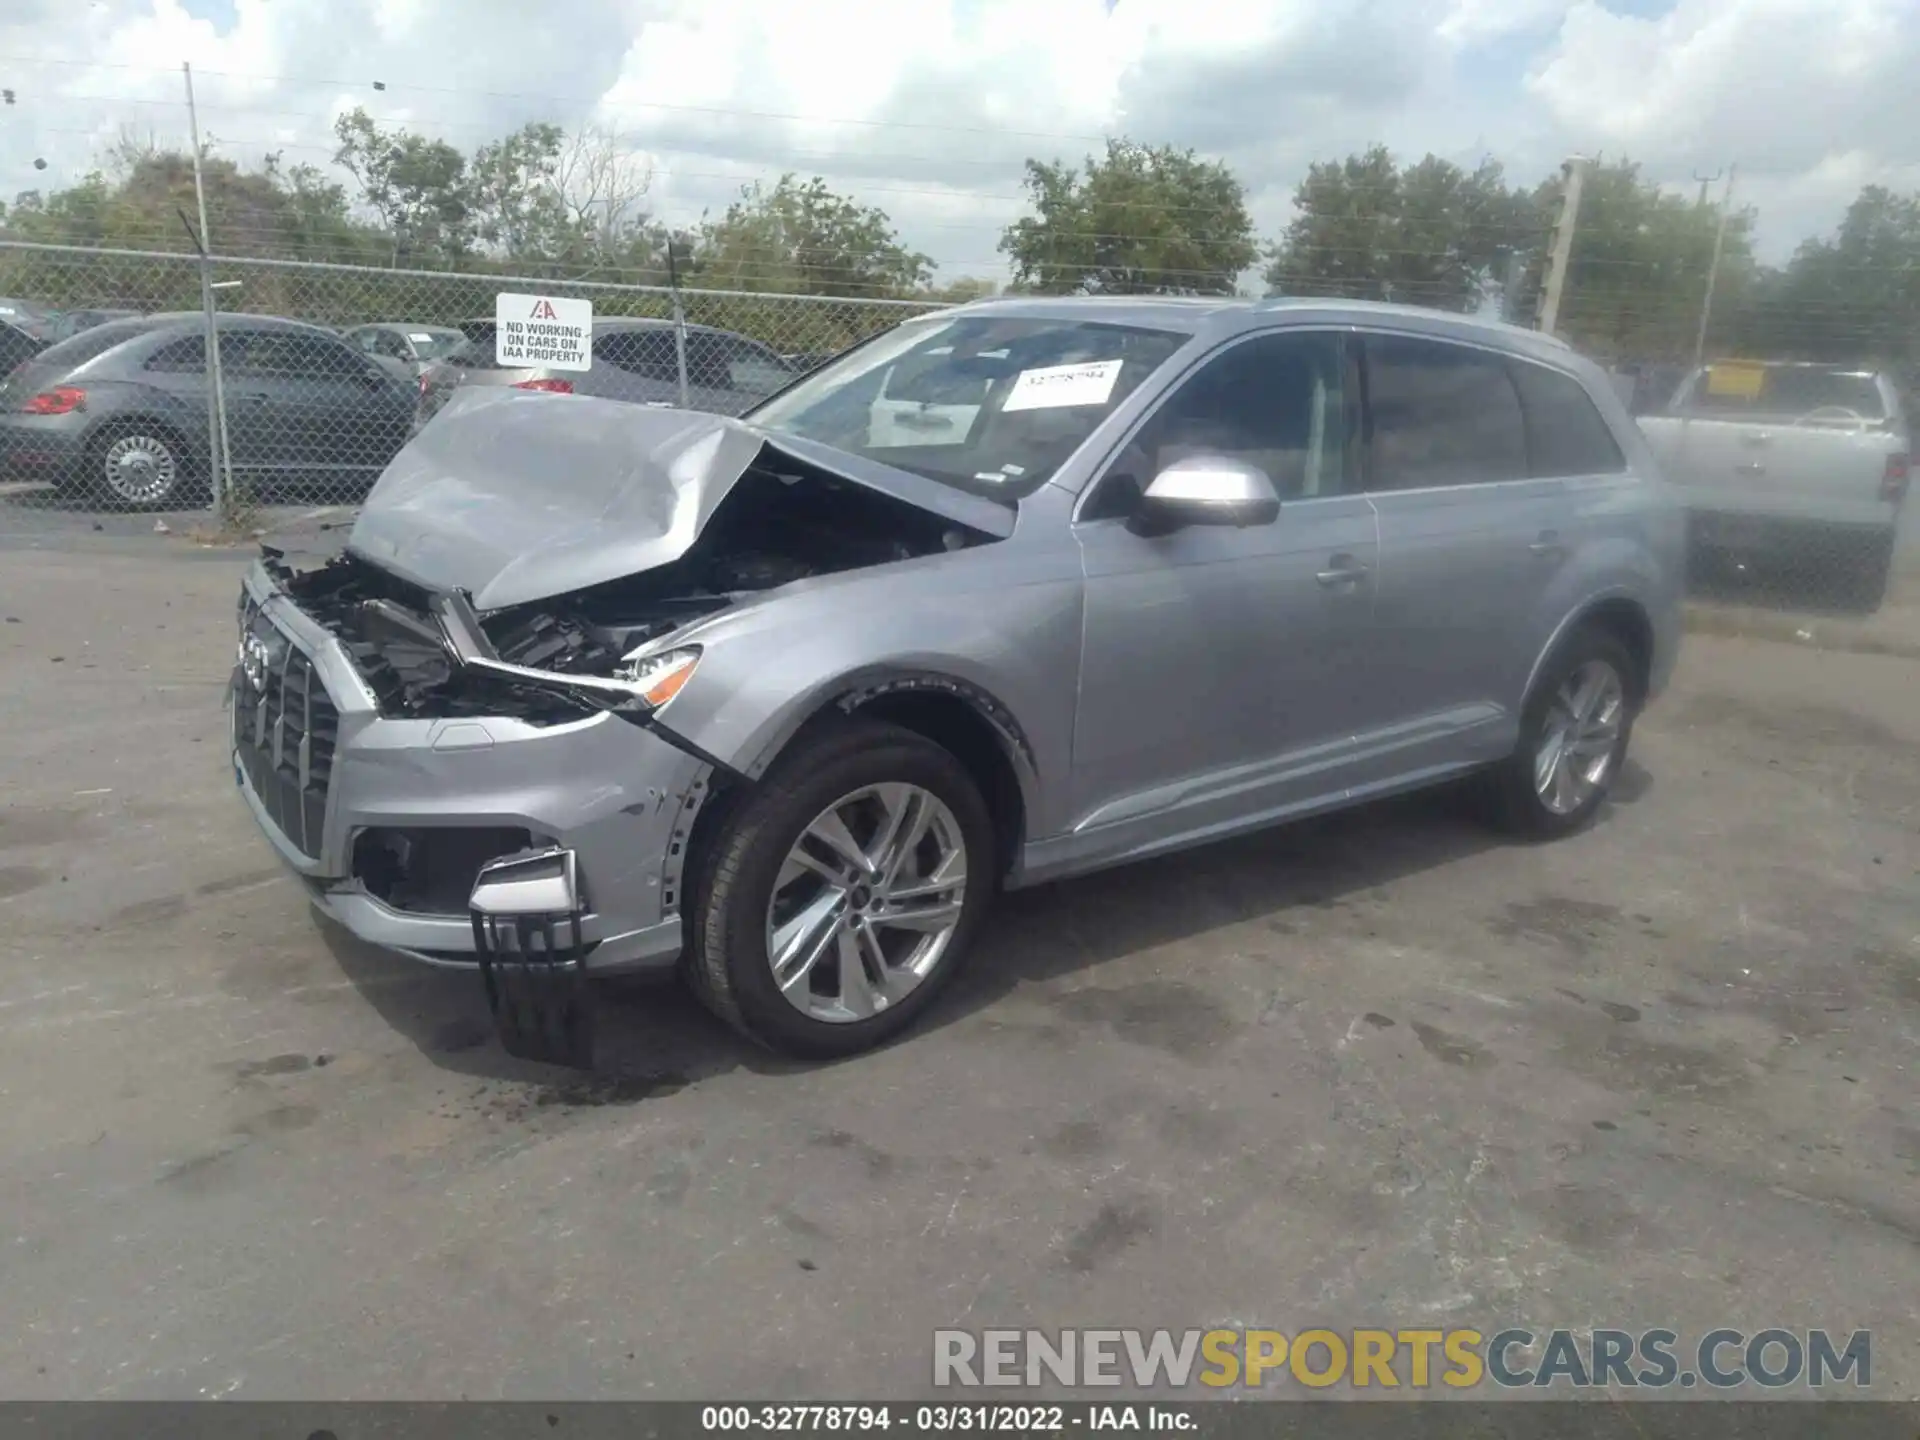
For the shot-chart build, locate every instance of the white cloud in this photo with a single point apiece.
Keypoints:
(928, 108)
(1795, 92)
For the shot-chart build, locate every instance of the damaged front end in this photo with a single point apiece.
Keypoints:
(481, 585)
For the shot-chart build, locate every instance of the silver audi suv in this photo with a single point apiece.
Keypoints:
(1011, 592)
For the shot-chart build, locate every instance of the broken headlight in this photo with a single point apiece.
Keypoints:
(658, 678)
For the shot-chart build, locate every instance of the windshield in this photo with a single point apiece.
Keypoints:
(990, 404)
(1732, 390)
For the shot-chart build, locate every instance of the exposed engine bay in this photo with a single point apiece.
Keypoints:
(782, 522)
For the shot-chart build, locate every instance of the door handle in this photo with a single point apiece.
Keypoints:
(1341, 570)
(1549, 545)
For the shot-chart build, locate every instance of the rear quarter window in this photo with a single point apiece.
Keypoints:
(1566, 434)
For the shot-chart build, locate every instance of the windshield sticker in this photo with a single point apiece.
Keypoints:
(418, 338)
(1061, 385)
(992, 477)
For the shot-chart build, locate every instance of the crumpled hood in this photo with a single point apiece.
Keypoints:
(514, 497)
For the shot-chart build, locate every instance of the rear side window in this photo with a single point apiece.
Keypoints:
(288, 354)
(1565, 433)
(1440, 415)
(1736, 390)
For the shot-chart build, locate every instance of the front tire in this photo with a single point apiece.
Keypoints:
(843, 891)
(1574, 731)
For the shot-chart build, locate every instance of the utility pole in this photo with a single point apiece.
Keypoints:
(1713, 269)
(1574, 172)
(222, 468)
(1705, 180)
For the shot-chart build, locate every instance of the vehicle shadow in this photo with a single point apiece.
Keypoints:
(1055, 932)
(654, 1037)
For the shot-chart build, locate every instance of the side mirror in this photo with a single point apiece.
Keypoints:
(1206, 490)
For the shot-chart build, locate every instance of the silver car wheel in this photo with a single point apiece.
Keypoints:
(866, 902)
(140, 469)
(1579, 737)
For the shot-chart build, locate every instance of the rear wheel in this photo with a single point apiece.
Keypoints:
(137, 465)
(843, 892)
(1574, 731)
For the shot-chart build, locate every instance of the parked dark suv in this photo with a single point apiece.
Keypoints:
(119, 412)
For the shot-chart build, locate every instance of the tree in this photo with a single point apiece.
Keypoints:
(1430, 234)
(1145, 220)
(601, 183)
(513, 195)
(136, 201)
(1852, 297)
(1637, 276)
(962, 289)
(805, 239)
(418, 187)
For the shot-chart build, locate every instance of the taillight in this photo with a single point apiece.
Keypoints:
(61, 400)
(550, 387)
(1893, 485)
(423, 384)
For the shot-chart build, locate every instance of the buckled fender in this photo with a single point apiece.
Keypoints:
(526, 910)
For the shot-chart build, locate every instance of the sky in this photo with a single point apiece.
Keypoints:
(928, 108)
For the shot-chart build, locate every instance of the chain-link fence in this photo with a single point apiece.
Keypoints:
(310, 413)
(1795, 472)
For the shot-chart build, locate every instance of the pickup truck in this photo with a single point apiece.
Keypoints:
(1800, 464)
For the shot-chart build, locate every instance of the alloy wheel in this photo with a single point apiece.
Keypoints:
(866, 902)
(1579, 737)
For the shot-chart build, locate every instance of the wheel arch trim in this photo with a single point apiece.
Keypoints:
(1576, 615)
(848, 693)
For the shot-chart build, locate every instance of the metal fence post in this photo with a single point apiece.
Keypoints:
(220, 467)
(679, 325)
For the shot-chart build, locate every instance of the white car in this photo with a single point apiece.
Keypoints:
(1805, 465)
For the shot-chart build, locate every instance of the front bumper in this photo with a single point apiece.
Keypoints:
(617, 797)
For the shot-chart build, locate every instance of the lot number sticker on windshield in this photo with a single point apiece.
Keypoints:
(1061, 385)
(550, 331)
